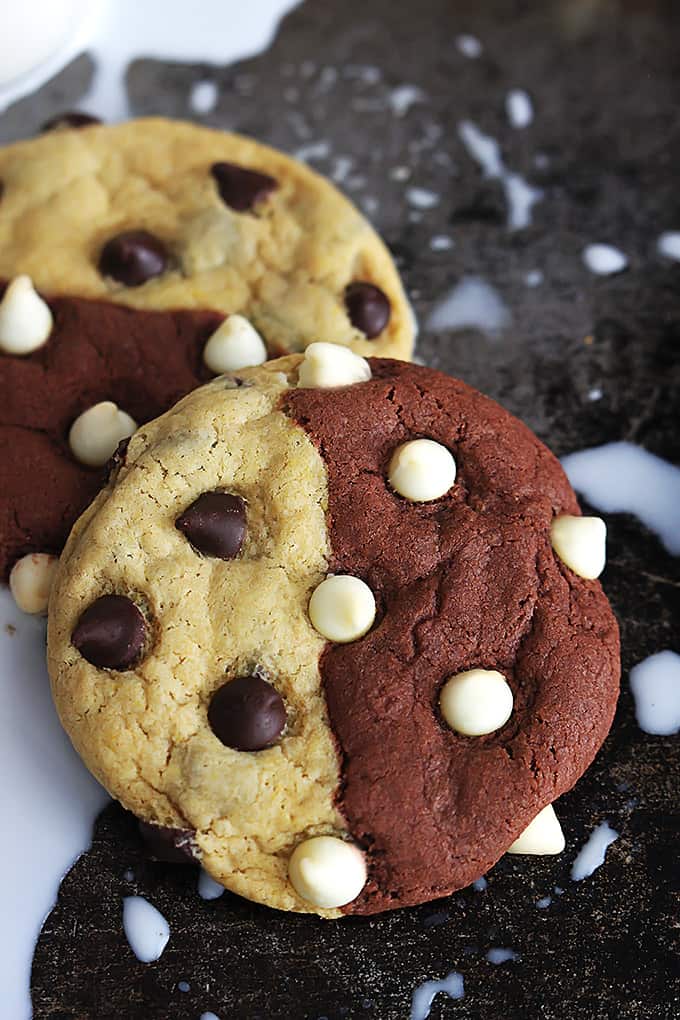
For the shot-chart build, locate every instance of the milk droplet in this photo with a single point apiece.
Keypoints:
(469, 46)
(423, 996)
(441, 242)
(624, 478)
(591, 856)
(209, 1016)
(501, 955)
(403, 97)
(145, 928)
(51, 797)
(534, 278)
(655, 683)
(315, 150)
(544, 902)
(519, 195)
(519, 108)
(472, 304)
(208, 888)
(669, 245)
(422, 198)
(203, 97)
(604, 259)
(480, 884)
(183, 986)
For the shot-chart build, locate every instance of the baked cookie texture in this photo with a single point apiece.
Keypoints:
(280, 253)
(469, 580)
(284, 249)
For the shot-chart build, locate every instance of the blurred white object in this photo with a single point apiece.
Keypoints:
(115, 32)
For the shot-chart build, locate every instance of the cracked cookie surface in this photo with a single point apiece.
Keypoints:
(466, 581)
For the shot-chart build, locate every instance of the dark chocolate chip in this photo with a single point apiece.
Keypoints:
(133, 257)
(163, 843)
(241, 188)
(117, 459)
(215, 524)
(247, 714)
(111, 633)
(70, 119)
(367, 307)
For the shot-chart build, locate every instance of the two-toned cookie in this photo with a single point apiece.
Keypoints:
(333, 630)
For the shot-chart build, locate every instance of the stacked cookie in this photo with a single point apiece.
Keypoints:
(331, 626)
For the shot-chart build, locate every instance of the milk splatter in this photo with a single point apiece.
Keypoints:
(655, 683)
(519, 195)
(544, 902)
(604, 259)
(480, 884)
(441, 242)
(203, 96)
(669, 245)
(115, 33)
(469, 46)
(596, 393)
(624, 478)
(403, 97)
(534, 278)
(422, 198)
(51, 799)
(519, 108)
(208, 888)
(591, 855)
(209, 1016)
(472, 304)
(314, 150)
(145, 928)
(423, 997)
(501, 955)
(183, 986)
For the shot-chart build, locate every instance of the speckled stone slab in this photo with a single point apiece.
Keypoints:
(583, 360)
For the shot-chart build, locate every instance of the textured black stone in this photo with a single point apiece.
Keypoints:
(605, 80)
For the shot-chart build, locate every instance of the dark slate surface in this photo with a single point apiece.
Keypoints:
(605, 81)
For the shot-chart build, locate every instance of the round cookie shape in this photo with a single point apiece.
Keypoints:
(160, 214)
(362, 756)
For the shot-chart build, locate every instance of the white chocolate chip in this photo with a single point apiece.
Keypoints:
(96, 433)
(421, 470)
(329, 365)
(342, 608)
(327, 871)
(542, 836)
(234, 344)
(30, 581)
(25, 319)
(476, 702)
(580, 542)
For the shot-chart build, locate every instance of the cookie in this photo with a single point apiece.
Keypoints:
(142, 237)
(322, 637)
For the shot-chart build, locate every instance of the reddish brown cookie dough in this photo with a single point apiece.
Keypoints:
(142, 360)
(468, 581)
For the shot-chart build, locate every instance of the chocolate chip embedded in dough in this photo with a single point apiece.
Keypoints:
(247, 713)
(215, 524)
(133, 257)
(368, 308)
(241, 188)
(111, 633)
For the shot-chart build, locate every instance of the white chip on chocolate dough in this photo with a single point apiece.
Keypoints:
(96, 433)
(541, 837)
(580, 542)
(342, 608)
(421, 470)
(234, 344)
(327, 872)
(25, 319)
(327, 366)
(476, 702)
(30, 581)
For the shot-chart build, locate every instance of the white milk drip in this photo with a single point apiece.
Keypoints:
(423, 996)
(623, 478)
(591, 855)
(655, 683)
(49, 806)
(472, 304)
(486, 151)
(145, 928)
